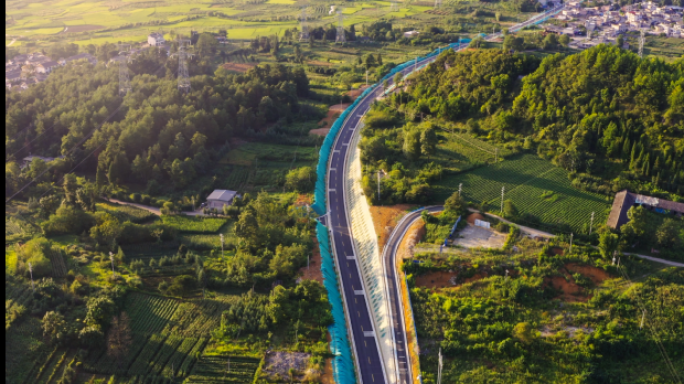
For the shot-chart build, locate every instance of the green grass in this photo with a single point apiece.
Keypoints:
(213, 368)
(126, 212)
(194, 224)
(525, 178)
(459, 152)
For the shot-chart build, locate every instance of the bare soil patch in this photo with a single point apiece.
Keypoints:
(474, 216)
(327, 376)
(302, 200)
(281, 362)
(436, 280)
(385, 218)
(83, 28)
(475, 237)
(239, 67)
(326, 123)
(313, 272)
(571, 292)
(596, 275)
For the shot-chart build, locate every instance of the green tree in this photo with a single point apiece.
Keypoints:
(428, 141)
(411, 146)
(54, 326)
(509, 209)
(667, 234)
(206, 44)
(608, 244)
(512, 42)
(247, 226)
(70, 188)
(524, 332)
(564, 40)
(456, 204)
(182, 285)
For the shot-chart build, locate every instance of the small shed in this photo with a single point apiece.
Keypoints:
(220, 197)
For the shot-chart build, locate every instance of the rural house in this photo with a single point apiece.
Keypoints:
(155, 39)
(219, 198)
(624, 200)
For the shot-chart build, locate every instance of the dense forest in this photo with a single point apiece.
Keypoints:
(154, 134)
(604, 114)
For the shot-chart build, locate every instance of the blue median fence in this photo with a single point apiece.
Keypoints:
(343, 365)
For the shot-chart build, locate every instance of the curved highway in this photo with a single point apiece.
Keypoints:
(367, 358)
(394, 295)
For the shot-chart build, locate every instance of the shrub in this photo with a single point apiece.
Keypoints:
(145, 199)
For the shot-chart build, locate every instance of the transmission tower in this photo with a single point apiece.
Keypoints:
(124, 81)
(304, 34)
(642, 39)
(183, 74)
(340, 38)
(394, 7)
(438, 4)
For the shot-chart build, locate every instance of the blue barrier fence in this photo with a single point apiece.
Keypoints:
(453, 229)
(343, 365)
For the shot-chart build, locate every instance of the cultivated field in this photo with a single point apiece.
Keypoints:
(535, 186)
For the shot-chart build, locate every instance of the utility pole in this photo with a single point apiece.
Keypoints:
(643, 315)
(570, 243)
(111, 258)
(439, 370)
(642, 39)
(496, 155)
(502, 197)
(378, 186)
(222, 241)
(33, 287)
(193, 203)
(591, 223)
(460, 186)
(366, 77)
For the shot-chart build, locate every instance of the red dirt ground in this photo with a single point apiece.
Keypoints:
(440, 280)
(596, 275)
(557, 251)
(334, 111)
(303, 200)
(571, 291)
(239, 67)
(385, 218)
(474, 216)
(314, 271)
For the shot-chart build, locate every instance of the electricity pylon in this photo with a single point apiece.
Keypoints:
(183, 74)
(642, 39)
(304, 34)
(124, 80)
(340, 38)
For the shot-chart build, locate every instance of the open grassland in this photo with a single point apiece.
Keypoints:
(460, 152)
(194, 224)
(126, 212)
(94, 22)
(535, 186)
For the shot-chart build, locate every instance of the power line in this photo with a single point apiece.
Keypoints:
(659, 343)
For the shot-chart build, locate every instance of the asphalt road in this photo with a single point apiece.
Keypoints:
(397, 314)
(364, 343)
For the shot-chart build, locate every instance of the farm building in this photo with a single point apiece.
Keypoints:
(219, 198)
(624, 200)
(155, 39)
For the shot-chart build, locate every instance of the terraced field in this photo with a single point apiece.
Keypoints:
(224, 369)
(527, 181)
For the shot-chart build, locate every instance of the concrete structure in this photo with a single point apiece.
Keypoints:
(155, 39)
(219, 198)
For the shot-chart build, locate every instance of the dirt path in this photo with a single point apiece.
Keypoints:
(526, 230)
(11, 42)
(147, 208)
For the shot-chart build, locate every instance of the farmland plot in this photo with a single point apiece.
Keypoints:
(526, 180)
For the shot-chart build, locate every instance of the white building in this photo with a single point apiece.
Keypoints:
(219, 198)
(46, 67)
(411, 34)
(155, 39)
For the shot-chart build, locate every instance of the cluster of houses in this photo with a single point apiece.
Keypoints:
(21, 71)
(611, 20)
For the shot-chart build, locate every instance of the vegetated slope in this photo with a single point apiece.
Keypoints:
(552, 319)
(536, 187)
(615, 119)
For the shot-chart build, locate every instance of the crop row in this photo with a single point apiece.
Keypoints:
(196, 319)
(141, 364)
(525, 179)
(149, 314)
(236, 178)
(174, 363)
(109, 365)
(224, 369)
(194, 224)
